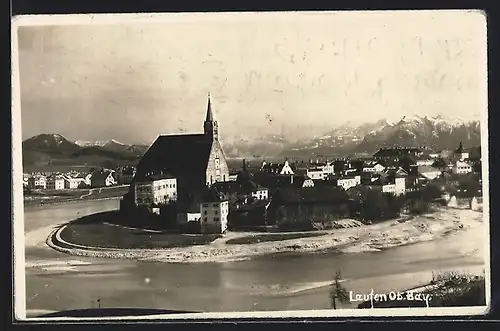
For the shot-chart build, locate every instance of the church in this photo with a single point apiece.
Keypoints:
(196, 161)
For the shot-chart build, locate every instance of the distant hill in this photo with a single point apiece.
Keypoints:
(53, 149)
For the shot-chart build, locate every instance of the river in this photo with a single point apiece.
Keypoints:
(56, 281)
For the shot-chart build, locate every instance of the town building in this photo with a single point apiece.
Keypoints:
(125, 175)
(316, 173)
(260, 193)
(55, 182)
(374, 166)
(155, 191)
(71, 183)
(461, 168)
(304, 206)
(214, 211)
(460, 153)
(346, 182)
(37, 182)
(102, 178)
(278, 168)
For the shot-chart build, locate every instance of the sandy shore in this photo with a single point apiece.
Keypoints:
(374, 237)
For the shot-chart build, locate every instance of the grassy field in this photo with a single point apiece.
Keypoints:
(44, 197)
(94, 231)
(270, 237)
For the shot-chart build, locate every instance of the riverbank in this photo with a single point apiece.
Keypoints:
(376, 237)
(450, 289)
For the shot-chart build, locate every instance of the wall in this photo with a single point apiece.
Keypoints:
(214, 217)
(400, 188)
(261, 194)
(212, 171)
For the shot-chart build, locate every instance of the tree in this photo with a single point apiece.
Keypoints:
(338, 292)
(440, 163)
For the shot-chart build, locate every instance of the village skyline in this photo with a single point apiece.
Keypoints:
(131, 82)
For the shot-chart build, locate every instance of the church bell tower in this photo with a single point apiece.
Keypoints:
(211, 128)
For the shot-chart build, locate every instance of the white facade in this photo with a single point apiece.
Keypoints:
(260, 194)
(461, 168)
(72, 182)
(347, 183)
(232, 177)
(110, 180)
(55, 183)
(400, 186)
(375, 167)
(287, 169)
(214, 216)
(308, 182)
(160, 191)
(328, 169)
(389, 188)
(463, 156)
(316, 174)
(37, 182)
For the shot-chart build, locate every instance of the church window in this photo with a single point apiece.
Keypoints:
(217, 163)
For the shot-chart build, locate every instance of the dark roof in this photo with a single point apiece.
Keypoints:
(212, 195)
(322, 194)
(100, 175)
(180, 155)
(227, 187)
(157, 177)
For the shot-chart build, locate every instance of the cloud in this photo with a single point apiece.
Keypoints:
(132, 82)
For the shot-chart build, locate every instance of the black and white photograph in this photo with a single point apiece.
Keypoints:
(250, 165)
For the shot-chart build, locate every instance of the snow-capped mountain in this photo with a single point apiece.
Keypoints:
(438, 132)
(101, 143)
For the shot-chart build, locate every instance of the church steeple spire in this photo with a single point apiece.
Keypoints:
(211, 128)
(210, 116)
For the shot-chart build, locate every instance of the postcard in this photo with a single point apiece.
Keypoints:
(250, 165)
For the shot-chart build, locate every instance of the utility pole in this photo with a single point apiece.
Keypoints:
(99, 303)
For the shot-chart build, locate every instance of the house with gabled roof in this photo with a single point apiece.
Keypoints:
(102, 178)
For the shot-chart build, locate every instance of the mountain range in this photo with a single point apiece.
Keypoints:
(437, 133)
(47, 149)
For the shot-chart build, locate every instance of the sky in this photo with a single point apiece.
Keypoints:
(297, 74)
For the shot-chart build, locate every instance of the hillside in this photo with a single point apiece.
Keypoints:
(46, 150)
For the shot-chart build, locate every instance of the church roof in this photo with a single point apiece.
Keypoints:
(180, 155)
